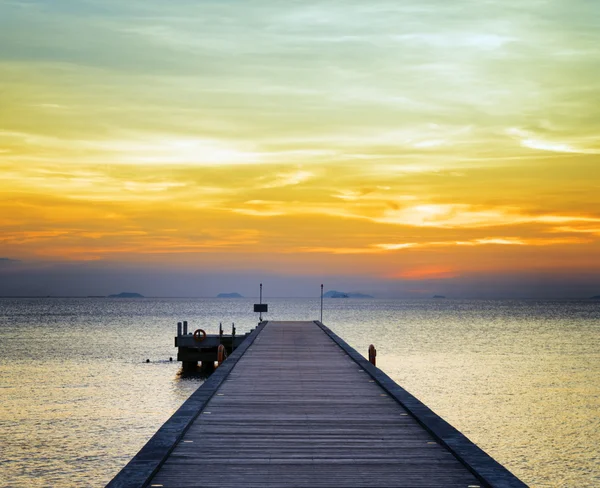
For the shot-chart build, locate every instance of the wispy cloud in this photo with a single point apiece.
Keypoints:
(487, 241)
(286, 179)
(532, 141)
(465, 216)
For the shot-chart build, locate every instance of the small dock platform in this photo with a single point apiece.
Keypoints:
(200, 347)
(294, 405)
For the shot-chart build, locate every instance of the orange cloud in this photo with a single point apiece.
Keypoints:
(426, 273)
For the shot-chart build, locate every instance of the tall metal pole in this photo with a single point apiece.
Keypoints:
(260, 301)
(321, 303)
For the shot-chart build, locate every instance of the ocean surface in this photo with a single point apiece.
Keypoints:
(519, 378)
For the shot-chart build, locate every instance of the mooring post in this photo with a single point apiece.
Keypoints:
(185, 327)
(220, 332)
(372, 355)
(178, 329)
(321, 303)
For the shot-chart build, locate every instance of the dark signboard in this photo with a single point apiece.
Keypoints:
(260, 307)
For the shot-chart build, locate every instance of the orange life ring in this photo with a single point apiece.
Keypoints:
(199, 335)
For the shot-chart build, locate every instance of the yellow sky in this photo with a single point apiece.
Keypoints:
(408, 141)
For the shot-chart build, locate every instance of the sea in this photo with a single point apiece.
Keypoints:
(85, 382)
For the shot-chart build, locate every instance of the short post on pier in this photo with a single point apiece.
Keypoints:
(372, 355)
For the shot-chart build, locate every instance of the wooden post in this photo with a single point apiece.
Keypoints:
(178, 329)
(207, 367)
(232, 337)
(372, 354)
(185, 327)
(190, 366)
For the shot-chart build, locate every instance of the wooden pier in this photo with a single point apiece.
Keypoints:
(295, 405)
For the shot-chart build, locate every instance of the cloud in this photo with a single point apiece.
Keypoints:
(470, 216)
(594, 231)
(287, 179)
(426, 273)
(533, 141)
(487, 241)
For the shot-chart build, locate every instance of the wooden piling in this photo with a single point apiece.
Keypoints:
(372, 355)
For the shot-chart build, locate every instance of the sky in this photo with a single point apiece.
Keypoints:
(399, 148)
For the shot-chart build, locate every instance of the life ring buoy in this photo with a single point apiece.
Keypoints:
(199, 335)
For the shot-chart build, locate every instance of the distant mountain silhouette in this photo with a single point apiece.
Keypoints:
(343, 294)
(595, 297)
(126, 294)
(229, 295)
(439, 296)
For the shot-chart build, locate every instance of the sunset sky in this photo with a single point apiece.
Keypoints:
(399, 148)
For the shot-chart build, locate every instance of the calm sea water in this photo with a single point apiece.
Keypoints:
(519, 378)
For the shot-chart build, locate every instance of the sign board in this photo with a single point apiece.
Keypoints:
(260, 307)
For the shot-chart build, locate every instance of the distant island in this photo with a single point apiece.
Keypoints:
(126, 295)
(595, 297)
(229, 295)
(343, 294)
(439, 296)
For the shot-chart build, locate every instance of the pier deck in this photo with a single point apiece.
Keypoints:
(298, 407)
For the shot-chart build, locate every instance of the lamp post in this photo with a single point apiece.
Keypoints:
(260, 301)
